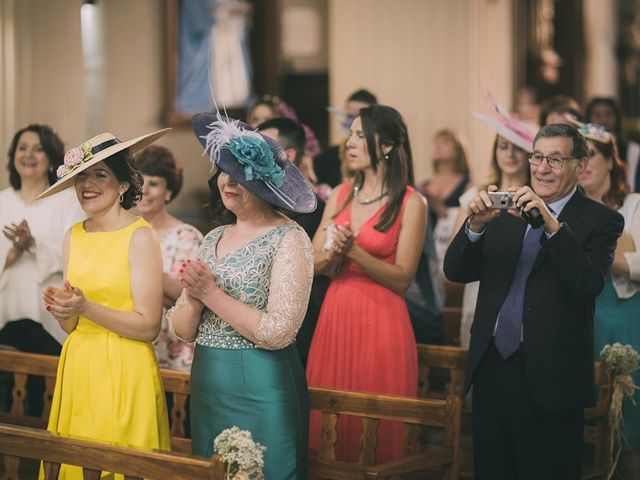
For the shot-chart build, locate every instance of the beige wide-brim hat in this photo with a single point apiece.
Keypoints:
(93, 151)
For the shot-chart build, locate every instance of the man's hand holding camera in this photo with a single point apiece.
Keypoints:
(481, 211)
(519, 202)
(526, 199)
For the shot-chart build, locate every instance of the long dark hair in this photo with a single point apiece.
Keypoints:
(614, 197)
(51, 144)
(383, 125)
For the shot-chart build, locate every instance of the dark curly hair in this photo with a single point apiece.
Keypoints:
(51, 144)
(123, 167)
(157, 161)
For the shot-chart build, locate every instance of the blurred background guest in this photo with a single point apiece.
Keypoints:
(618, 306)
(451, 178)
(555, 109)
(31, 245)
(290, 136)
(605, 111)
(179, 242)
(331, 166)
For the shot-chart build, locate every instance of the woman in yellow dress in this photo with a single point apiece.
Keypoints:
(108, 386)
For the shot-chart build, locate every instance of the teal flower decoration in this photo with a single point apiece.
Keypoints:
(257, 158)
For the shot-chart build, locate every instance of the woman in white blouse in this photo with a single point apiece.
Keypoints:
(31, 244)
(31, 249)
(617, 316)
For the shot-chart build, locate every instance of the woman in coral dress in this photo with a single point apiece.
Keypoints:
(108, 386)
(371, 235)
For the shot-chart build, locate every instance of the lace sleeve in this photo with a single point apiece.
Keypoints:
(291, 277)
(169, 316)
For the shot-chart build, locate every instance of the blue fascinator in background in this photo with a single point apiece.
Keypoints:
(255, 161)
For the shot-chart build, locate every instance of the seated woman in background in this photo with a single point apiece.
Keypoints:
(371, 236)
(108, 386)
(31, 248)
(618, 306)
(179, 242)
(245, 297)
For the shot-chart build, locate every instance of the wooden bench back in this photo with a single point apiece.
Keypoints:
(96, 457)
(413, 413)
(451, 359)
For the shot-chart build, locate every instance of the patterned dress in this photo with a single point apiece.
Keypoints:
(258, 387)
(179, 244)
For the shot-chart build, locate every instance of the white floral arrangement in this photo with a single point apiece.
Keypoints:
(620, 361)
(243, 456)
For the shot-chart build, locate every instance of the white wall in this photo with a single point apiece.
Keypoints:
(428, 59)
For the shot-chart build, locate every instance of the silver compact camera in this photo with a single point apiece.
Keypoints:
(501, 200)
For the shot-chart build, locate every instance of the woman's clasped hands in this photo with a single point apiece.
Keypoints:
(343, 238)
(197, 279)
(64, 303)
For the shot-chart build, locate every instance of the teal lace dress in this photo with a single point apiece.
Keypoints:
(257, 387)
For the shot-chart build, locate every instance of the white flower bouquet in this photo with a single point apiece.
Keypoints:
(243, 456)
(620, 361)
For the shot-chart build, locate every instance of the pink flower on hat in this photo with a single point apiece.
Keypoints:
(73, 157)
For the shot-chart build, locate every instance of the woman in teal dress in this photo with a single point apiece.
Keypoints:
(245, 297)
(617, 316)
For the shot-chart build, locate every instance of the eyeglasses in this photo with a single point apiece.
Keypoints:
(555, 160)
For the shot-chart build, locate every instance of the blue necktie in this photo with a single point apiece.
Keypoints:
(509, 329)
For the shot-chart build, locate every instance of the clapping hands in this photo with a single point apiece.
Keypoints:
(197, 279)
(341, 239)
(64, 303)
(19, 235)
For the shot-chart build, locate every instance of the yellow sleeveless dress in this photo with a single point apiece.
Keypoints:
(108, 387)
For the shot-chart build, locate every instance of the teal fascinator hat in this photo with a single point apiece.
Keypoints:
(255, 161)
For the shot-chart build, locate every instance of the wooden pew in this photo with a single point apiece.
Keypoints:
(177, 384)
(135, 464)
(414, 413)
(451, 359)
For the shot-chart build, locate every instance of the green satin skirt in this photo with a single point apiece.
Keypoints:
(263, 391)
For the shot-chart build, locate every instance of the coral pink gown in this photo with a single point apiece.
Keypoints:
(364, 340)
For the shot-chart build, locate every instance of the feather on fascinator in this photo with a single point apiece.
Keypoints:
(591, 131)
(504, 124)
(255, 161)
